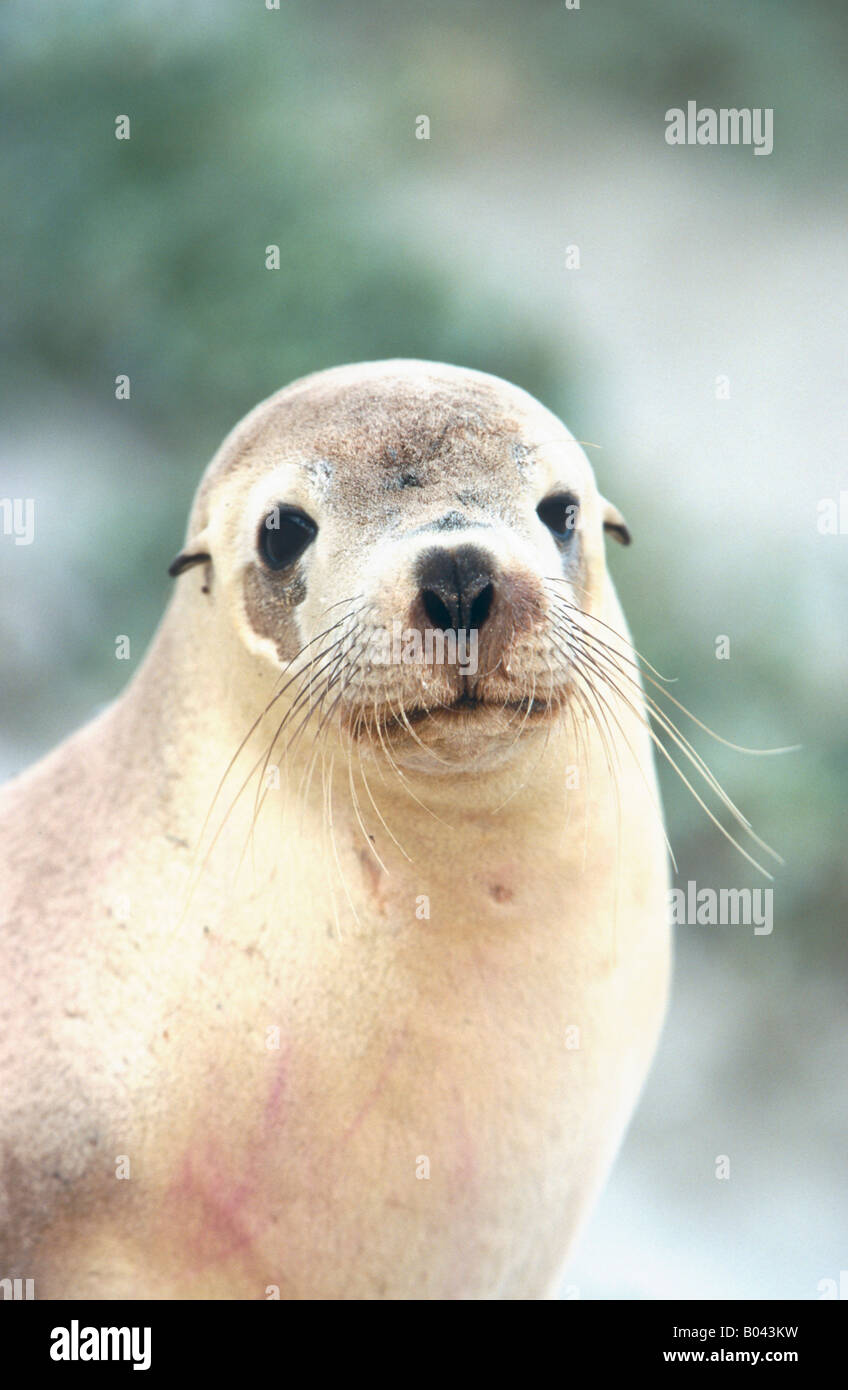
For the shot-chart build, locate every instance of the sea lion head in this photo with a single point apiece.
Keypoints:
(401, 544)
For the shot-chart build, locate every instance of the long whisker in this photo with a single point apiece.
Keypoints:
(301, 675)
(263, 759)
(607, 738)
(570, 656)
(378, 811)
(608, 657)
(645, 666)
(332, 654)
(662, 749)
(254, 726)
(602, 653)
(354, 799)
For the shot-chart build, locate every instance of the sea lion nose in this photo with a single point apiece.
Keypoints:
(456, 586)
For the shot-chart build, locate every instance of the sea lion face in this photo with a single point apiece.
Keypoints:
(403, 540)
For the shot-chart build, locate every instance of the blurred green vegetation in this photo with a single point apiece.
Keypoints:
(148, 255)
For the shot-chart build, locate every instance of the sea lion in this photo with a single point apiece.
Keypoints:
(328, 973)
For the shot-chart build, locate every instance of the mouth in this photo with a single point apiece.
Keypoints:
(472, 706)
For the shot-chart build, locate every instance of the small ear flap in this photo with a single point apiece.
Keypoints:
(194, 554)
(615, 524)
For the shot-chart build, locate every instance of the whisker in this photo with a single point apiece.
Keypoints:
(643, 662)
(254, 726)
(570, 656)
(662, 749)
(606, 654)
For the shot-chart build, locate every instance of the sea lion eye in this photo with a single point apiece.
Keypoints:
(560, 514)
(284, 535)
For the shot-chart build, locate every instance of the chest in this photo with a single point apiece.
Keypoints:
(416, 1105)
(350, 1077)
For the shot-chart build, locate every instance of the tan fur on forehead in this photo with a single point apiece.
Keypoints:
(397, 424)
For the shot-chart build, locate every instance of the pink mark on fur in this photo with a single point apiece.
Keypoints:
(221, 1205)
(221, 1228)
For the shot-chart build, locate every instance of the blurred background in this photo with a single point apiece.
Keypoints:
(297, 127)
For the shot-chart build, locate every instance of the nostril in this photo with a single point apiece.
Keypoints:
(481, 606)
(437, 611)
(457, 587)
